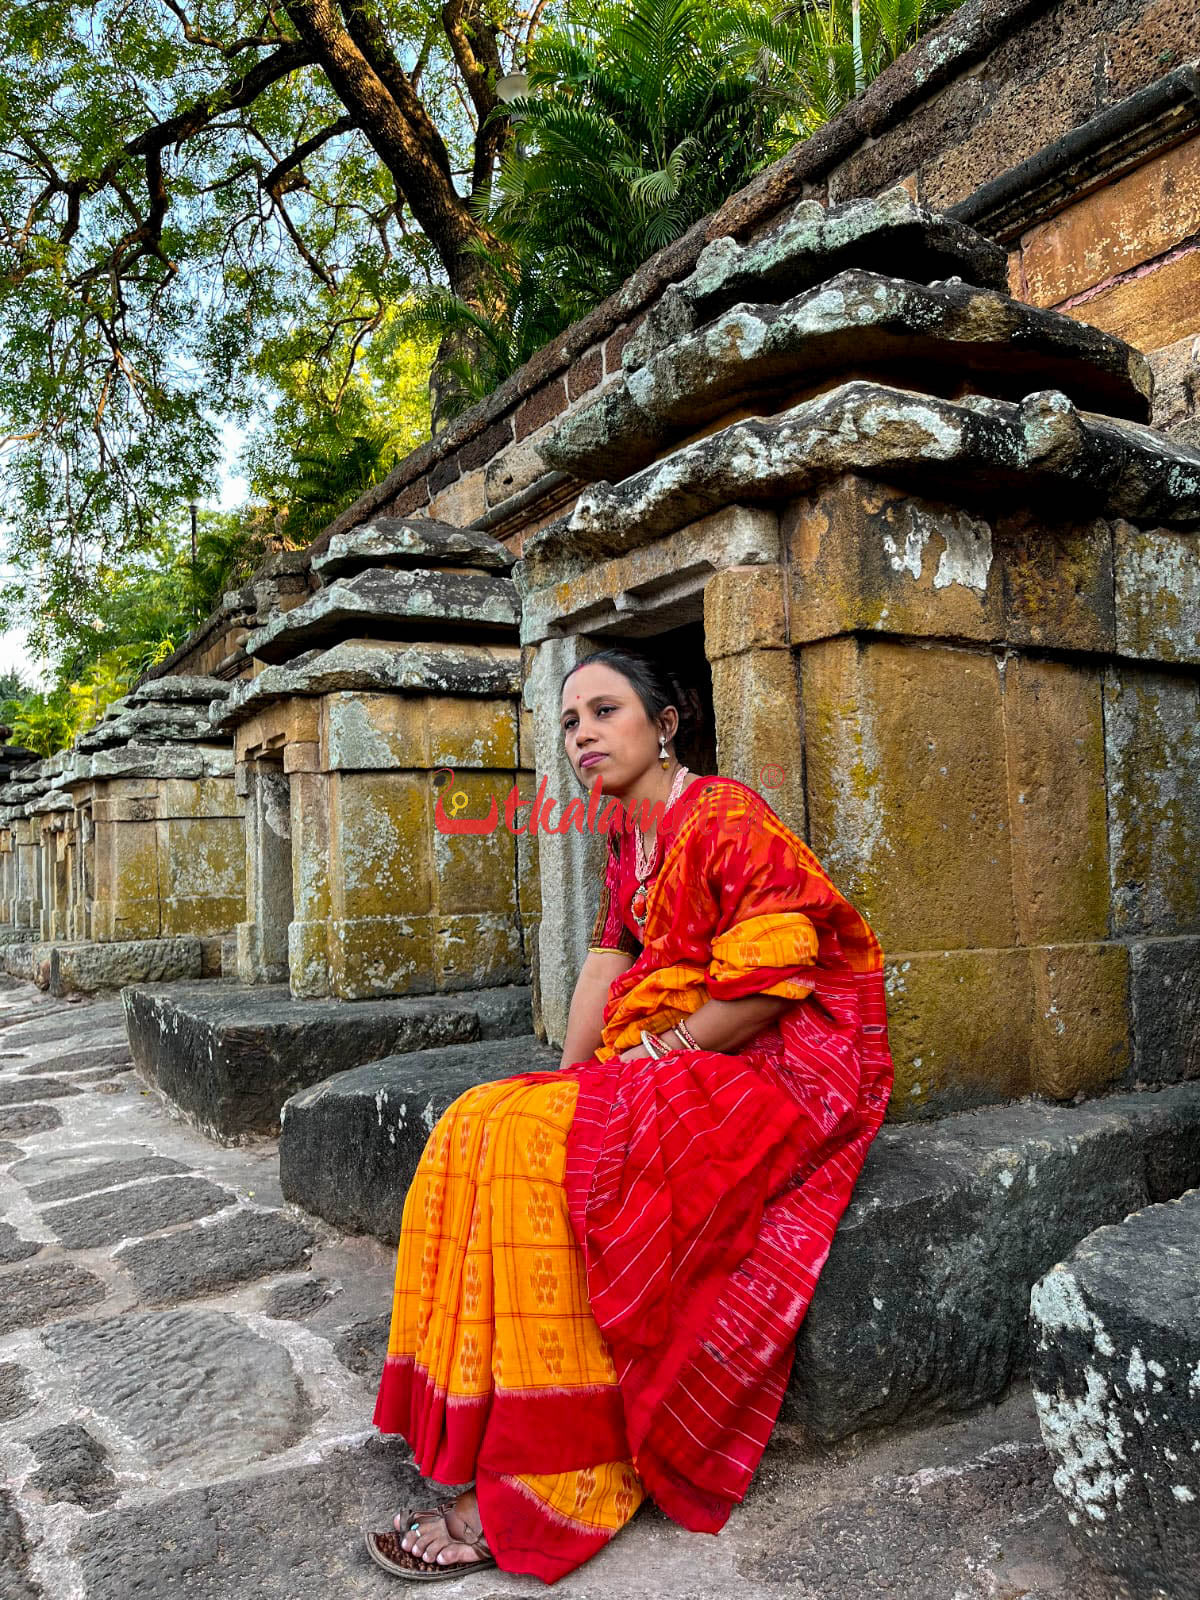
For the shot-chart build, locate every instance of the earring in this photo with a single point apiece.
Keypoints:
(662, 751)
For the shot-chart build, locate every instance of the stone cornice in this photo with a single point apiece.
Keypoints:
(856, 320)
(369, 666)
(970, 450)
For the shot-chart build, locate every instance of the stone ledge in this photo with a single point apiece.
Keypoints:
(90, 966)
(753, 355)
(1116, 1376)
(372, 667)
(923, 1305)
(384, 602)
(402, 542)
(229, 1055)
(350, 1146)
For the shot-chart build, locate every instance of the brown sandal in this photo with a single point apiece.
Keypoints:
(386, 1550)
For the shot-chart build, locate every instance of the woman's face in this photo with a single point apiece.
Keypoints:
(607, 732)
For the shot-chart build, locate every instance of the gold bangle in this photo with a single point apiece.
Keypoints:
(654, 1046)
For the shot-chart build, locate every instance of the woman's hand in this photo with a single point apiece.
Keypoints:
(586, 1018)
(719, 1025)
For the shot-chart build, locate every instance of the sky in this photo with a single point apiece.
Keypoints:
(14, 652)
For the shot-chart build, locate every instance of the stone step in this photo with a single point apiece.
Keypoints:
(16, 957)
(923, 1305)
(229, 1055)
(1116, 1380)
(349, 1146)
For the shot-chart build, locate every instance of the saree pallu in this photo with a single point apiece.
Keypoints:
(496, 1369)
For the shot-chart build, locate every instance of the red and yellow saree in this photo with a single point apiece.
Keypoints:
(602, 1270)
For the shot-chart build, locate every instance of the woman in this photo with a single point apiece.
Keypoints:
(602, 1269)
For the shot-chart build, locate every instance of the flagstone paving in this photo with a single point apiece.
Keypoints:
(187, 1368)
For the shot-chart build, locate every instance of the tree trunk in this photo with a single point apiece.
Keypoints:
(352, 50)
(392, 118)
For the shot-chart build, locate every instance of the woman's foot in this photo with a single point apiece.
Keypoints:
(450, 1536)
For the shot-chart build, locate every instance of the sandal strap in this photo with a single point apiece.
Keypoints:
(473, 1538)
(414, 1518)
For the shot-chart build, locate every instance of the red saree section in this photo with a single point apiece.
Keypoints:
(704, 1189)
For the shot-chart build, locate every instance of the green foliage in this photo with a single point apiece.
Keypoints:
(635, 125)
(133, 616)
(348, 411)
(810, 59)
(12, 686)
(183, 195)
(477, 350)
(42, 723)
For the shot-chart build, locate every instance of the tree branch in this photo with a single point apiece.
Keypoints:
(195, 35)
(363, 70)
(148, 147)
(475, 51)
(273, 182)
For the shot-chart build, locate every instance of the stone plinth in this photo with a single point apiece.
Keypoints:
(229, 1055)
(951, 611)
(1116, 1378)
(923, 1305)
(91, 966)
(370, 688)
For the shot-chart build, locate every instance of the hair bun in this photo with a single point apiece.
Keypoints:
(687, 702)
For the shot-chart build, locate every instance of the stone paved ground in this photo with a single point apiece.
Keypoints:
(187, 1371)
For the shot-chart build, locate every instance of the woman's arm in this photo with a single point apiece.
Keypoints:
(586, 1017)
(722, 1025)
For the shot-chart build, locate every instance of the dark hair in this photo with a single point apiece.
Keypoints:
(655, 685)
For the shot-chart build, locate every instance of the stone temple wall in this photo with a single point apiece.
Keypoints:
(973, 677)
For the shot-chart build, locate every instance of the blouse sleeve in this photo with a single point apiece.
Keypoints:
(611, 936)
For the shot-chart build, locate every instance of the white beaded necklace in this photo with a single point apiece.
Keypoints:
(644, 860)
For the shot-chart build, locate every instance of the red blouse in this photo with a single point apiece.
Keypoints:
(616, 930)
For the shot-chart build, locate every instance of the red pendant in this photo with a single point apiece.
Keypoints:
(637, 904)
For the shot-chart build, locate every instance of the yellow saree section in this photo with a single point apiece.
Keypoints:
(496, 1369)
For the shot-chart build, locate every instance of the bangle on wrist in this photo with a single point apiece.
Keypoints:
(685, 1036)
(653, 1046)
